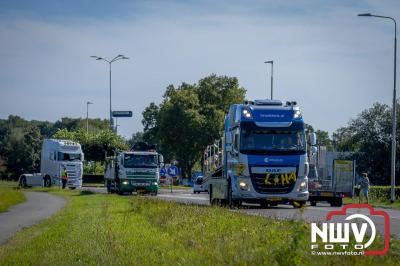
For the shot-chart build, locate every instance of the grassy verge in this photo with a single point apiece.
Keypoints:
(132, 230)
(9, 195)
(376, 203)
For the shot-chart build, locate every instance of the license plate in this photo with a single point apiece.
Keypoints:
(141, 184)
(275, 199)
(327, 194)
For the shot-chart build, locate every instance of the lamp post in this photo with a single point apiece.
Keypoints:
(118, 57)
(87, 116)
(393, 163)
(272, 76)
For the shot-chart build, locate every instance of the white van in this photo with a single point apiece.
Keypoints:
(57, 154)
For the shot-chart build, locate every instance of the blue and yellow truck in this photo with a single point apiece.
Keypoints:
(262, 156)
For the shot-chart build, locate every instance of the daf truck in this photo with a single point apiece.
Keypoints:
(262, 157)
(55, 155)
(137, 170)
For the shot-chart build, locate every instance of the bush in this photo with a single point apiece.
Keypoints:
(382, 193)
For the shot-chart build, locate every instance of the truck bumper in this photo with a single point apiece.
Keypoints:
(251, 195)
(131, 186)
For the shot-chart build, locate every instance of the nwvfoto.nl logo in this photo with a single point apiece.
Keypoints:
(336, 236)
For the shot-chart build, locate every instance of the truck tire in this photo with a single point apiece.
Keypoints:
(22, 182)
(336, 202)
(313, 203)
(47, 181)
(108, 186)
(230, 201)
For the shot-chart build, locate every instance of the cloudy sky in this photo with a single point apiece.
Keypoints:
(332, 62)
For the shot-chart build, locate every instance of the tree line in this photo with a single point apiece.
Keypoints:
(190, 117)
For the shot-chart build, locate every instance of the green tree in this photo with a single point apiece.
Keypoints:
(369, 138)
(191, 117)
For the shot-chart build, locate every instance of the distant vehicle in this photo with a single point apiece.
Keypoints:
(199, 185)
(137, 170)
(262, 157)
(55, 155)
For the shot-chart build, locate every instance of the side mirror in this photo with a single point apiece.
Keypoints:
(313, 139)
(228, 138)
(314, 150)
(228, 148)
(160, 159)
(83, 157)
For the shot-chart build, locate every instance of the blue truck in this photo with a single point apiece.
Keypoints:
(262, 157)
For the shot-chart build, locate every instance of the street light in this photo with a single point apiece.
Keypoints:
(393, 164)
(87, 116)
(272, 76)
(118, 57)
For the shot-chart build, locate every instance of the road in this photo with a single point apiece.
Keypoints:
(38, 206)
(309, 214)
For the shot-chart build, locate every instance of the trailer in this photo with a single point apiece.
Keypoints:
(332, 188)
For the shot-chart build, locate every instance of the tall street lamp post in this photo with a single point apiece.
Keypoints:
(393, 163)
(118, 57)
(87, 116)
(272, 77)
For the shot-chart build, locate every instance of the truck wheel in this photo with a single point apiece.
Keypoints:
(47, 181)
(212, 200)
(108, 186)
(22, 182)
(264, 204)
(337, 202)
(313, 203)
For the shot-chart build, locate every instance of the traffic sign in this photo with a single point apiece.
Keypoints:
(172, 171)
(122, 113)
(163, 172)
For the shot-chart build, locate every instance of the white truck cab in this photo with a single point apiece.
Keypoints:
(57, 154)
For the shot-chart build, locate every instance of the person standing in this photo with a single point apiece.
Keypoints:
(364, 187)
(64, 177)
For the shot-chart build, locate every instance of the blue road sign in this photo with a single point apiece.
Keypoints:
(172, 171)
(163, 172)
(122, 113)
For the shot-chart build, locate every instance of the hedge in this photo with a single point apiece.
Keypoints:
(382, 193)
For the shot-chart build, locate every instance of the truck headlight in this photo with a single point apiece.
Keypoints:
(155, 183)
(297, 114)
(246, 113)
(125, 182)
(243, 185)
(303, 186)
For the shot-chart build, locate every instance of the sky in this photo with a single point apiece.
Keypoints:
(333, 63)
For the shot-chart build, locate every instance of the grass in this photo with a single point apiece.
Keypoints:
(9, 195)
(376, 203)
(97, 229)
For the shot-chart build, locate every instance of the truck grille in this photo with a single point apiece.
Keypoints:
(271, 186)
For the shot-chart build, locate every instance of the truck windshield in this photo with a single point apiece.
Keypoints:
(140, 161)
(275, 141)
(69, 156)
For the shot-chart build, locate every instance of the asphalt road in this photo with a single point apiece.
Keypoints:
(309, 214)
(38, 206)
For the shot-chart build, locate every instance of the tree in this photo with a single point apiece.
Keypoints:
(95, 145)
(369, 138)
(191, 117)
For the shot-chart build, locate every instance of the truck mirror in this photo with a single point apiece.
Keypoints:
(313, 139)
(228, 138)
(314, 150)
(228, 148)
(160, 159)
